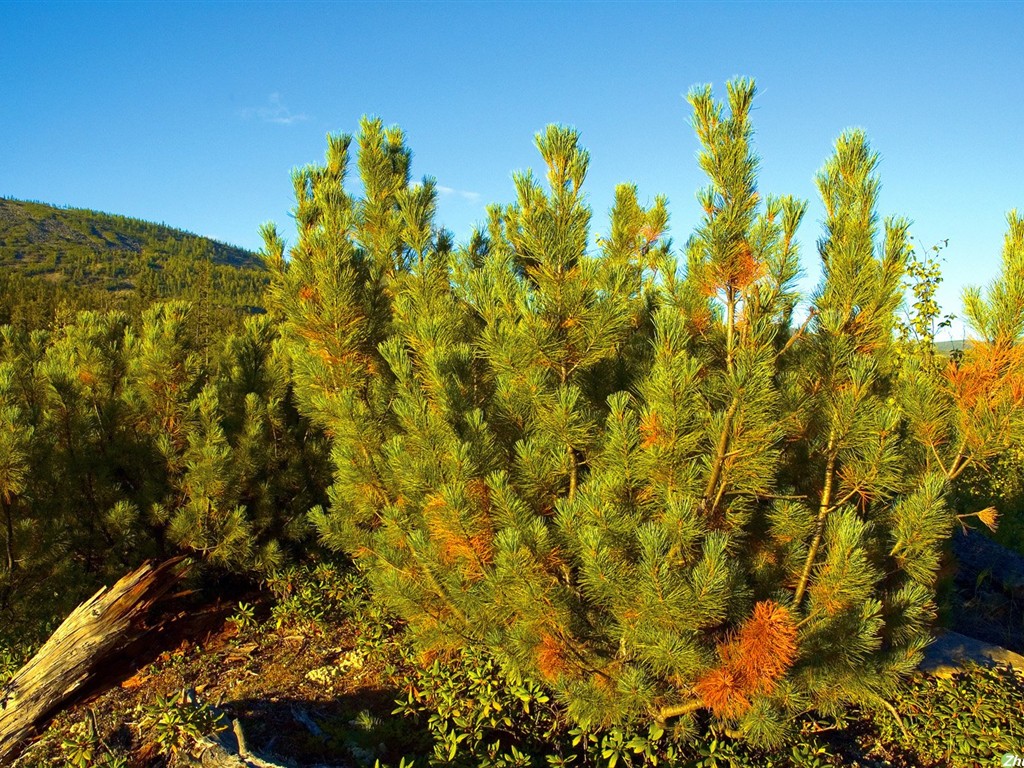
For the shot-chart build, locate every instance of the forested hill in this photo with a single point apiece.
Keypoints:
(82, 259)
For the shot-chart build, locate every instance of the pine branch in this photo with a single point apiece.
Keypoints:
(959, 464)
(12, 563)
(777, 496)
(938, 459)
(677, 710)
(896, 716)
(574, 471)
(853, 492)
(798, 334)
(823, 510)
(721, 455)
(438, 589)
(730, 323)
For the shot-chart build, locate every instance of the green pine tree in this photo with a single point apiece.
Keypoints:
(645, 485)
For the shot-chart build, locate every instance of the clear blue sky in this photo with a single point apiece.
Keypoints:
(194, 113)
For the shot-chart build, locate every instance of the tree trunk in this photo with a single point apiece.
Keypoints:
(96, 630)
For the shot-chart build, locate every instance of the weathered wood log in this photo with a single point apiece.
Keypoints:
(96, 630)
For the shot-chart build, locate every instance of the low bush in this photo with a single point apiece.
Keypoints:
(972, 718)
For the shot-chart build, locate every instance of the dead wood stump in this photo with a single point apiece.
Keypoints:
(76, 652)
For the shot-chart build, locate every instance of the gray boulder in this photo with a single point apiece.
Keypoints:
(951, 652)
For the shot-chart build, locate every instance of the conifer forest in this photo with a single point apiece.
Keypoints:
(584, 489)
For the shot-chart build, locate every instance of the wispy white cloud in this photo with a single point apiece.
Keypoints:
(448, 191)
(275, 111)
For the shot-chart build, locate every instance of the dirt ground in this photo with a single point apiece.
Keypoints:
(302, 693)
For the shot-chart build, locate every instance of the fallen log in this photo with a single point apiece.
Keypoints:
(96, 630)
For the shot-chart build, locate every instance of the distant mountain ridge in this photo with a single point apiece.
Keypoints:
(29, 231)
(945, 347)
(84, 259)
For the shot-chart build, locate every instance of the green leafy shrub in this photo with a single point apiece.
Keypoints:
(477, 716)
(82, 747)
(314, 596)
(244, 617)
(972, 718)
(176, 723)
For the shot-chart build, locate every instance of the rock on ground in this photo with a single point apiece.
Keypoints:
(951, 652)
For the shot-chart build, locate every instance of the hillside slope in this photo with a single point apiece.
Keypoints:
(89, 260)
